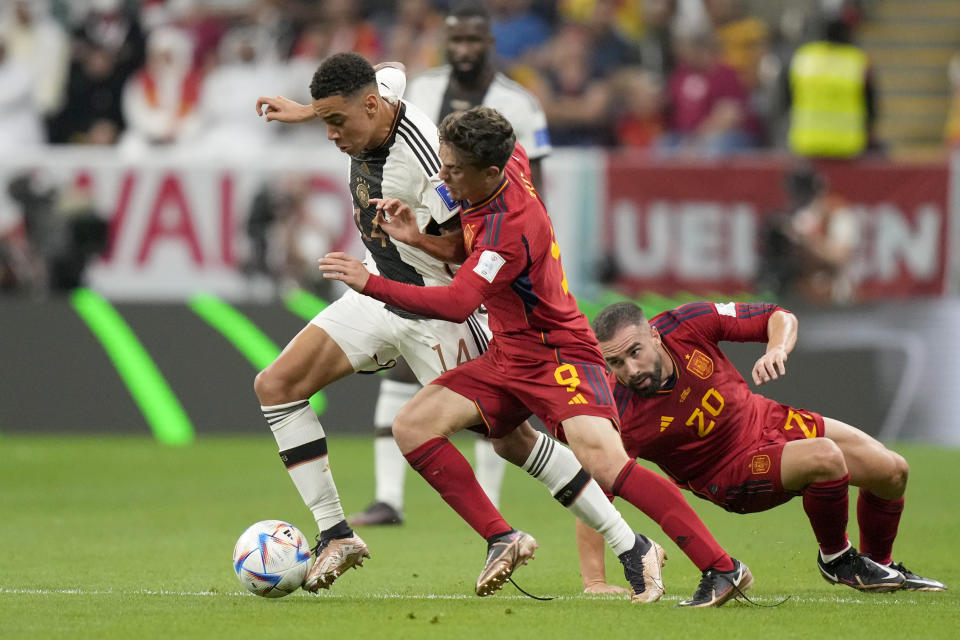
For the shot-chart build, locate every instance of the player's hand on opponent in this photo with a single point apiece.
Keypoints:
(603, 587)
(770, 366)
(284, 109)
(397, 220)
(346, 269)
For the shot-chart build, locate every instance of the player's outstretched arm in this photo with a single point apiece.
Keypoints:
(781, 338)
(284, 109)
(590, 547)
(399, 222)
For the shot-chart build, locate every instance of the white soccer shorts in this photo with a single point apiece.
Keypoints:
(373, 338)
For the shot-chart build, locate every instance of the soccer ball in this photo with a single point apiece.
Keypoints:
(271, 558)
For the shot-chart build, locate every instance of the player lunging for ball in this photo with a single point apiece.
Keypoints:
(543, 359)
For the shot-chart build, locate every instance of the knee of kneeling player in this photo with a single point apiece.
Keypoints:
(829, 463)
(896, 478)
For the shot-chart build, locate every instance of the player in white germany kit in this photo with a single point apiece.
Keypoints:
(468, 80)
(393, 154)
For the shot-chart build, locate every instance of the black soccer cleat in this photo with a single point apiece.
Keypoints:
(641, 568)
(716, 587)
(860, 572)
(377, 514)
(913, 582)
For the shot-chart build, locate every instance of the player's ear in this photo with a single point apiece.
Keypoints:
(491, 172)
(655, 335)
(371, 102)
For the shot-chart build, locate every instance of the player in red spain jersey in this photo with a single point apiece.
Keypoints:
(543, 360)
(684, 406)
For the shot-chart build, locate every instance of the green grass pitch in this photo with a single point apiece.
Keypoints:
(125, 538)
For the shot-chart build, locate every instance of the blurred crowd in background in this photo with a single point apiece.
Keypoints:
(688, 78)
(615, 73)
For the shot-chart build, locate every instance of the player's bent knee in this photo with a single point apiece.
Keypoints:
(899, 472)
(828, 462)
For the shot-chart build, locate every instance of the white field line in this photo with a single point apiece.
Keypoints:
(881, 599)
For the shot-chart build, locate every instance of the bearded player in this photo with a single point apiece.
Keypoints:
(684, 406)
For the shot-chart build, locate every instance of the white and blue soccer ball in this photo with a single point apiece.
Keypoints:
(272, 558)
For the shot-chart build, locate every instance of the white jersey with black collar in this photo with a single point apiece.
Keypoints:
(404, 167)
(520, 107)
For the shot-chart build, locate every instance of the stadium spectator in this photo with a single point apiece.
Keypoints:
(223, 123)
(744, 39)
(114, 28)
(21, 125)
(37, 41)
(830, 95)
(742, 451)
(576, 102)
(708, 111)
(159, 102)
(628, 16)
(656, 43)
(513, 269)
(339, 28)
(517, 29)
(611, 46)
(638, 99)
(92, 112)
(469, 79)
(413, 37)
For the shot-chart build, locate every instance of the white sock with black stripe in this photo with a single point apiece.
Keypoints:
(303, 449)
(559, 470)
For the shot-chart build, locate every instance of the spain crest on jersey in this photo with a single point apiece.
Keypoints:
(700, 364)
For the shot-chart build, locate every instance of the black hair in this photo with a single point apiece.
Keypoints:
(481, 136)
(466, 9)
(342, 74)
(615, 317)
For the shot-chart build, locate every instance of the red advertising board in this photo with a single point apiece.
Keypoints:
(697, 227)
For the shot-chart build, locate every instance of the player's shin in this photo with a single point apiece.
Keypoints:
(662, 502)
(303, 449)
(559, 470)
(879, 520)
(447, 471)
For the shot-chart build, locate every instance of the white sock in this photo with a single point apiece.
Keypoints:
(303, 449)
(830, 557)
(390, 467)
(489, 469)
(556, 467)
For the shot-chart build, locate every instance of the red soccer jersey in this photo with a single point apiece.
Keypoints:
(696, 427)
(513, 268)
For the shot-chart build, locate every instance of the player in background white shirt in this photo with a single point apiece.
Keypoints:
(392, 147)
(468, 80)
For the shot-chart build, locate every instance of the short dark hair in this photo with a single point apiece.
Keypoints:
(342, 74)
(615, 317)
(481, 135)
(466, 9)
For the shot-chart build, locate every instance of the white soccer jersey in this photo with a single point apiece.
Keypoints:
(404, 167)
(517, 105)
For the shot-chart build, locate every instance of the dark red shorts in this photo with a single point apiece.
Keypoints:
(507, 389)
(751, 481)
